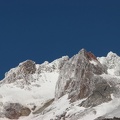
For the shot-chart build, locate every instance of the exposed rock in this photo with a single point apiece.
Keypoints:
(79, 116)
(102, 118)
(82, 78)
(79, 78)
(101, 93)
(15, 110)
(28, 67)
(55, 65)
(22, 74)
(48, 103)
(112, 118)
(112, 62)
(23, 71)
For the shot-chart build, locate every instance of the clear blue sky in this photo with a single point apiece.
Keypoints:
(48, 29)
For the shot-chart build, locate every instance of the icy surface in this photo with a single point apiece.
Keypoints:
(31, 90)
(35, 89)
(93, 62)
(112, 62)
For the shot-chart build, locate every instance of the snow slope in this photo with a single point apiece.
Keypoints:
(40, 90)
(36, 92)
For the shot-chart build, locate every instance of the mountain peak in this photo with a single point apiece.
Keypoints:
(28, 67)
(111, 54)
(82, 51)
(76, 74)
(67, 88)
(87, 54)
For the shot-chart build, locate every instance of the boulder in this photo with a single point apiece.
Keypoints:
(15, 110)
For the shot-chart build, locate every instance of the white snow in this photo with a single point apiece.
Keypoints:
(93, 62)
(42, 89)
(112, 62)
(111, 71)
(57, 108)
(35, 94)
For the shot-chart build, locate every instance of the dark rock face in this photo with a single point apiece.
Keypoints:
(112, 118)
(101, 118)
(15, 110)
(101, 93)
(79, 78)
(23, 71)
(28, 67)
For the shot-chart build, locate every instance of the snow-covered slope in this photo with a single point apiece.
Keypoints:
(31, 90)
(79, 88)
(112, 62)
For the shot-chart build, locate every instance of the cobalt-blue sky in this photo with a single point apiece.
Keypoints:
(48, 29)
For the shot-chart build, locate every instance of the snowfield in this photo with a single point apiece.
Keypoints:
(38, 95)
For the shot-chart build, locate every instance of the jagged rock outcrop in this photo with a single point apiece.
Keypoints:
(83, 83)
(15, 110)
(111, 118)
(101, 118)
(79, 78)
(112, 63)
(101, 93)
(26, 69)
(55, 65)
(29, 81)
(23, 71)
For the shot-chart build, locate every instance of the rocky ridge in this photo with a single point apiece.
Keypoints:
(28, 78)
(80, 78)
(81, 83)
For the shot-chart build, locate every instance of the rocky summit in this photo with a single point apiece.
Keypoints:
(78, 76)
(83, 87)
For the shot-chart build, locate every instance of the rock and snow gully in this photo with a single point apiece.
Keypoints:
(78, 88)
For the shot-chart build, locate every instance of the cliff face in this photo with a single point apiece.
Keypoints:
(22, 71)
(80, 78)
(79, 88)
(28, 86)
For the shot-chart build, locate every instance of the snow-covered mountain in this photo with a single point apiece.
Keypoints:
(78, 88)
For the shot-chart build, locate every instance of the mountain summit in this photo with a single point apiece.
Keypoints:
(78, 88)
(77, 75)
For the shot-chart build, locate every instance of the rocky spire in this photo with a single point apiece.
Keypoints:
(77, 77)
